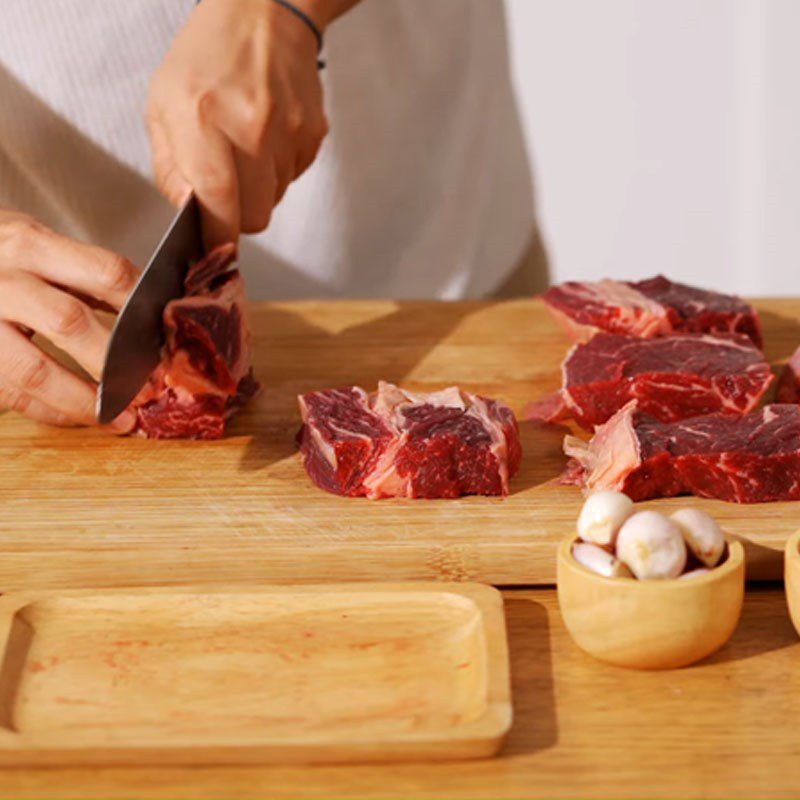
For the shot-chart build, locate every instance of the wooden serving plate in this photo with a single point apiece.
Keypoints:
(252, 675)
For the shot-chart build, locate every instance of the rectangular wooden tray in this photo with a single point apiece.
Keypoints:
(253, 675)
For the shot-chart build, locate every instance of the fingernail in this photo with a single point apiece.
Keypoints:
(124, 423)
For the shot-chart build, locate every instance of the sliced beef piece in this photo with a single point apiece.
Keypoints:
(583, 309)
(700, 310)
(205, 372)
(647, 308)
(788, 390)
(342, 439)
(749, 459)
(673, 377)
(395, 443)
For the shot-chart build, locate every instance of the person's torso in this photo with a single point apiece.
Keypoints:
(422, 187)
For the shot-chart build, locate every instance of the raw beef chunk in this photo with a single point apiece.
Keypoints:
(673, 377)
(205, 372)
(647, 308)
(788, 390)
(749, 459)
(700, 310)
(394, 443)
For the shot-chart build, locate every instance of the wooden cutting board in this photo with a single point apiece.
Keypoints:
(82, 508)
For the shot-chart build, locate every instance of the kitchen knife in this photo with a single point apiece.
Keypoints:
(138, 335)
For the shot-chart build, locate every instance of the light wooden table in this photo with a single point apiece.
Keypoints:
(729, 727)
(725, 728)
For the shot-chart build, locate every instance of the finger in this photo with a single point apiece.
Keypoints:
(305, 158)
(257, 185)
(167, 176)
(26, 332)
(251, 126)
(265, 144)
(12, 399)
(97, 305)
(315, 128)
(26, 368)
(61, 318)
(204, 156)
(106, 276)
(249, 122)
(284, 172)
(283, 185)
(309, 147)
(124, 424)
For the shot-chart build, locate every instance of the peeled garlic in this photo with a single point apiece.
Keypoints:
(602, 516)
(651, 545)
(702, 534)
(695, 573)
(600, 561)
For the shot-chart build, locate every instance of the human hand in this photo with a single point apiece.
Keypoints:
(235, 112)
(48, 284)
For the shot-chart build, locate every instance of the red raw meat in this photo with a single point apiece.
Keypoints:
(673, 377)
(749, 459)
(394, 443)
(647, 308)
(205, 373)
(788, 390)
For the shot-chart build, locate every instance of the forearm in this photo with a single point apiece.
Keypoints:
(324, 12)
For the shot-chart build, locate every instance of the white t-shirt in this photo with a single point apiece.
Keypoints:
(422, 188)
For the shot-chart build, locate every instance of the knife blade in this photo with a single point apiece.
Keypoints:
(138, 334)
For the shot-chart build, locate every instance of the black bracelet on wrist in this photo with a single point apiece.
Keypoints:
(310, 24)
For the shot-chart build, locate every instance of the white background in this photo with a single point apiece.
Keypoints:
(665, 137)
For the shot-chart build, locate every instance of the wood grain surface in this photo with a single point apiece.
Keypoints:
(253, 674)
(723, 728)
(80, 507)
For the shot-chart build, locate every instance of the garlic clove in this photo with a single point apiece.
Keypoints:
(652, 547)
(694, 573)
(602, 515)
(702, 534)
(600, 561)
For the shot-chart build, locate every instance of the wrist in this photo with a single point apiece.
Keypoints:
(323, 12)
(295, 26)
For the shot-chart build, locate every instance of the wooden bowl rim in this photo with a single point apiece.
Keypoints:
(733, 563)
(792, 550)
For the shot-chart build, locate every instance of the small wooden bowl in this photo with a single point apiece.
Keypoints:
(659, 624)
(791, 578)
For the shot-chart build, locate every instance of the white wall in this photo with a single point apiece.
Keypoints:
(665, 137)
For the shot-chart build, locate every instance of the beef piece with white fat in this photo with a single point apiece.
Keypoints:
(788, 390)
(672, 377)
(395, 443)
(205, 373)
(750, 459)
(647, 308)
